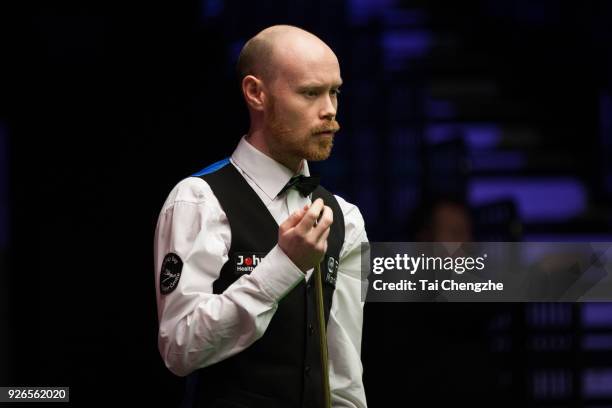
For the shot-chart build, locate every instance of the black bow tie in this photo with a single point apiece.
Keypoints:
(305, 185)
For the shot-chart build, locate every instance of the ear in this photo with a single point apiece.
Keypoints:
(253, 91)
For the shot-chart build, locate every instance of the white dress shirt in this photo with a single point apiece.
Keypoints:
(198, 328)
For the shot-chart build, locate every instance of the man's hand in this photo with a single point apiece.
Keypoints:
(303, 236)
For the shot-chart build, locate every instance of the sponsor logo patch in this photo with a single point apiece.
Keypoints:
(171, 269)
(247, 261)
(331, 272)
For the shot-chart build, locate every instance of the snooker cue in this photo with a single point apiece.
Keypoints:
(322, 335)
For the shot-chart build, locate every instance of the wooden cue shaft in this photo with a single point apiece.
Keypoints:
(323, 335)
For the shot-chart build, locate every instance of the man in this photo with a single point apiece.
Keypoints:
(236, 245)
(442, 219)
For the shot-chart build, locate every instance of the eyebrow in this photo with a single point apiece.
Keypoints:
(319, 85)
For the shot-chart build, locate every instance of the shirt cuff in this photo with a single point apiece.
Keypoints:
(277, 274)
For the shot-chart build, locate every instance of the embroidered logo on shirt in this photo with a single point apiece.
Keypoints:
(332, 271)
(247, 261)
(171, 269)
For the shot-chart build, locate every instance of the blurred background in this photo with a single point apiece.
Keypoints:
(480, 120)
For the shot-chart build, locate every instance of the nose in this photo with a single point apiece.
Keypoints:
(328, 110)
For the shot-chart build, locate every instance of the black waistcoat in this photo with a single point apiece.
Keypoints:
(282, 369)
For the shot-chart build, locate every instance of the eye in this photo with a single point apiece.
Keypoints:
(311, 93)
(335, 92)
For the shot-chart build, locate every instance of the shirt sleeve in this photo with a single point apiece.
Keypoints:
(345, 323)
(196, 327)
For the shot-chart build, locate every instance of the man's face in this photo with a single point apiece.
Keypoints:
(301, 105)
(451, 223)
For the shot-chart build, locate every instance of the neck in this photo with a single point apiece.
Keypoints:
(257, 139)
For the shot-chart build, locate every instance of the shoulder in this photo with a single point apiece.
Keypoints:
(190, 190)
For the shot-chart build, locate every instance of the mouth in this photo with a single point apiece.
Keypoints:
(329, 132)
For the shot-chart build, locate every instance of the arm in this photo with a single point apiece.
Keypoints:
(196, 327)
(344, 328)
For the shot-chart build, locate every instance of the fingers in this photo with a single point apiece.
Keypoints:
(311, 216)
(323, 239)
(313, 221)
(303, 238)
(292, 221)
(327, 217)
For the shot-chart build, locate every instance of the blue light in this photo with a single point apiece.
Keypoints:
(213, 167)
(596, 342)
(597, 383)
(596, 315)
(440, 109)
(234, 50)
(477, 136)
(537, 199)
(405, 44)
(485, 161)
(212, 8)
(361, 11)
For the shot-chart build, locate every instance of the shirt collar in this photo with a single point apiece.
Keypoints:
(268, 174)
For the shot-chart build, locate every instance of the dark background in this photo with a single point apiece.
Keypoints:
(104, 106)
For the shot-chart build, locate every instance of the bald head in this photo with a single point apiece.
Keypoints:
(290, 81)
(266, 51)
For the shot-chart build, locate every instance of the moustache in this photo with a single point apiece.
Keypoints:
(332, 127)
